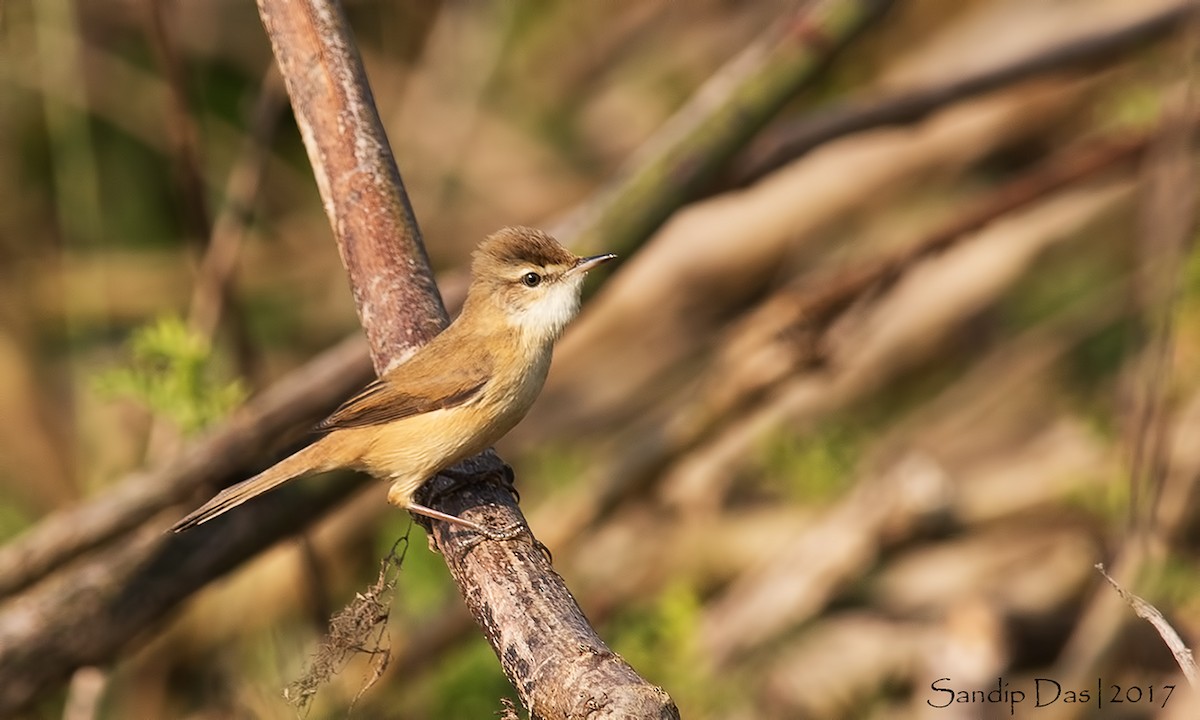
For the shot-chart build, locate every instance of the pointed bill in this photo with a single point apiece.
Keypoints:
(582, 265)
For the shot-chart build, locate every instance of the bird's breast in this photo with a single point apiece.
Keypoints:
(514, 387)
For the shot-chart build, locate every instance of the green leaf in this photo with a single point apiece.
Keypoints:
(171, 370)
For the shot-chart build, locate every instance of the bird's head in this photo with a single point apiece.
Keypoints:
(530, 279)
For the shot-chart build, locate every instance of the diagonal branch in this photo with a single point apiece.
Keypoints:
(368, 208)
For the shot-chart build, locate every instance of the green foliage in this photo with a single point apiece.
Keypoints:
(660, 641)
(1099, 357)
(1091, 367)
(135, 191)
(470, 684)
(812, 468)
(13, 519)
(1175, 583)
(551, 467)
(171, 371)
(1062, 279)
(426, 586)
(1108, 500)
(276, 320)
(1133, 107)
(1190, 286)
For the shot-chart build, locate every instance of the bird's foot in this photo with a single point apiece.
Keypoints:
(506, 533)
(504, 477)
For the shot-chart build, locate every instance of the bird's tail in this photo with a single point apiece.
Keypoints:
(312, 459)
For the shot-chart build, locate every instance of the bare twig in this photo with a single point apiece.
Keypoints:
(1181, 652)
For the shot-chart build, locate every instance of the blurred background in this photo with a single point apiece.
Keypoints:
(860, 410)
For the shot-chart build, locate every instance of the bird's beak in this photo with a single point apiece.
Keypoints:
(582, 265)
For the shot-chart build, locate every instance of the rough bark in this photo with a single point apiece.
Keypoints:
(558, 664)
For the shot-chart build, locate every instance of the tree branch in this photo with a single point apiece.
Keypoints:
(373, 222)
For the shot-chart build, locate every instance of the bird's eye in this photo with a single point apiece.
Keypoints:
(531, 279)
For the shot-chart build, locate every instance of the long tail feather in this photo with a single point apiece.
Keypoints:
(313, 458)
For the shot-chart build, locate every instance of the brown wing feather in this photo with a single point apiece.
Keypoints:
(420, 385)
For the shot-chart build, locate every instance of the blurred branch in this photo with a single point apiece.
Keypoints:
(787, 333)
(91, 612)
(718, 257)
(181, 127)
(717, 122)
(211, 291)
(85, 693)
(222, 242)
(817, 309)
(784, 145)
(1167, 222)
(128, 98)
(888, 507)
(78, 207)
(292, 404)
(796, 581)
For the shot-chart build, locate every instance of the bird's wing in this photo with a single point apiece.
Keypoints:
(421, 385)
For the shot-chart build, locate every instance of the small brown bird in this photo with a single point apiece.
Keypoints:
(458, 394)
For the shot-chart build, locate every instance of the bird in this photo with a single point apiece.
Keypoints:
(455, 396)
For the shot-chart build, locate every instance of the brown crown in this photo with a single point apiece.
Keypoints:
(521, 246)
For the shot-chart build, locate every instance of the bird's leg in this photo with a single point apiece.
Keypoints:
(399, 498)
(507, 533)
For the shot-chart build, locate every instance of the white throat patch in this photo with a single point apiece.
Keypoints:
(545, 319)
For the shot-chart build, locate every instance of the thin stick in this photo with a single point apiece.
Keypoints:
(1149, 613)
